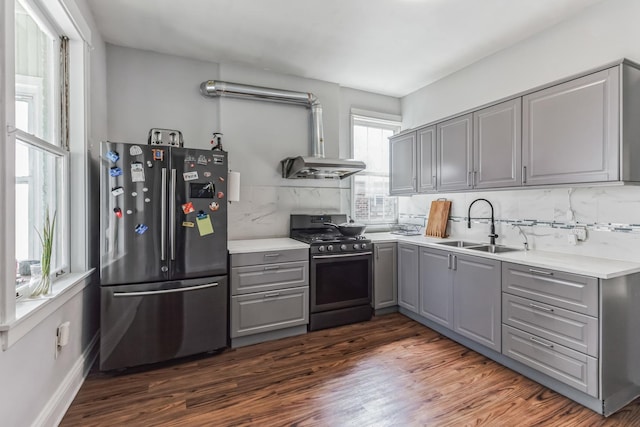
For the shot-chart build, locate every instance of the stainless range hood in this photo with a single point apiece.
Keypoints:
(315, 166)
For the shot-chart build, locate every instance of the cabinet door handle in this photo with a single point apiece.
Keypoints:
(542, 273)
(271, 255)
(524, 174)
(470, 179)
(377, 252)
(449, 261)
(271, 295)
(475, 178)
(539, 307)
(272, 268)
(455, 262)
(541, 343)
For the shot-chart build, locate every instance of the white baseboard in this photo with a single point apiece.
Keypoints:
(53, 412)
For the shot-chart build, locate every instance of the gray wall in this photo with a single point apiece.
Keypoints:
(148, 90)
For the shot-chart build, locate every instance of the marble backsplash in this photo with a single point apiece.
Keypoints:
(560, 209)
(263, 211)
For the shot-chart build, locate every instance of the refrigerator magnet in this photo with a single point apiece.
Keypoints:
(141, 228)
(117, 191)
(201, 214)
(113, 156)
(220, 195)
(204, 225)
(147, 200)
(207, 174)
(187, 208)
(129, 211)
(149, 164)
(118, 212)
(202, 160)
(115, 171)
(137, 172)
(135, 150)
(134, 193)
(221, 179)
(214, 206)
(190, 176)
(158, 154)
(188, 224)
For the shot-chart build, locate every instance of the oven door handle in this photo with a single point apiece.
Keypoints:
(340, 256)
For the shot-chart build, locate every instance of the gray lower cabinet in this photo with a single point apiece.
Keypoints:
(408, 280)
(402, 164)
(454, 153)
(497, 145)
(385, 275)
(269, 295)
(571, 131)
(462, 293)
(551, 323)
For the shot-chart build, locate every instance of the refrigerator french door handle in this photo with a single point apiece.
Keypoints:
(163, 216)
(172, 215)
(164, 291)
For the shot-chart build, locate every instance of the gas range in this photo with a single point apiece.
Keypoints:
(324, 239)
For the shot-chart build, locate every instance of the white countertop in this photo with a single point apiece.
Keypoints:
(578, 264)
(259, 245)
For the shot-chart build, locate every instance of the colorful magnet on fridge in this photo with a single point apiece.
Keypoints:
(190, 176)
(135, 150)
(202, 160)
(220, 195)
(117, 191)
(201, 214)
(187, 208)
(214, 206)
(207, 174)
(113, 156)
(158, 154)
(118, 212)
(221, 179)
(141, 228)
(137, 172)
(188, 224)
(204, 224)
(115, 171)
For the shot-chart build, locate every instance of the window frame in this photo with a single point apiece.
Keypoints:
(379, 120)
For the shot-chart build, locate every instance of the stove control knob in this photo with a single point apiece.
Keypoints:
(330, 248)
(320, 248)
(343, 247)
(363, 246)
(356, 246)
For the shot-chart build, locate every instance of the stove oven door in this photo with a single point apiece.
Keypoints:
(340, 281)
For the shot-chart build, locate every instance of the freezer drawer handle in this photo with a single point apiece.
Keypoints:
(541, 343)
(164, 291)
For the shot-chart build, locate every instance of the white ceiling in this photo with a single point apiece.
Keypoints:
(391, 47)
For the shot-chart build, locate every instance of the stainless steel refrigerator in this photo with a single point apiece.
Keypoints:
(163, 267)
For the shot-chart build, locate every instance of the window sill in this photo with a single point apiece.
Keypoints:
(30, 313)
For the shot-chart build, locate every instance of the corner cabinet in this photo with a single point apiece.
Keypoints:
(571, 131)
(385, 274)
(408, 281)
(402, 167)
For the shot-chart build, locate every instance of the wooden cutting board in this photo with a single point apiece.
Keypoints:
(438, 218)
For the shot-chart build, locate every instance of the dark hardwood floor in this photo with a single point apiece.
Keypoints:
(390, 371)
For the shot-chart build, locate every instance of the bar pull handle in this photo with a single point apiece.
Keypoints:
(524, 174)
(539, 307)
(172, 215)
(164, 291)
(271, 295)
(475, 178)
(470, 179)
(449, 261)
(548, 345)
(540, 272)
(271, 255)
(272, 268)
(163, 216)
(455, 262)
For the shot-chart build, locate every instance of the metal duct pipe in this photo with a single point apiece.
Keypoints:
(214, 88)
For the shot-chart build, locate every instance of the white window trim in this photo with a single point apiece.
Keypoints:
(18, 318)
(382, 120)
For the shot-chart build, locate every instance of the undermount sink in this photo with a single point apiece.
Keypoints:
(459, 244)
(493, 249)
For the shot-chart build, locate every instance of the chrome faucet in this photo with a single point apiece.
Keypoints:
(493, 234)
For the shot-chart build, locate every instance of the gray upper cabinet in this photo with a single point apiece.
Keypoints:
(402, 167)
(385, 274)
(454, 153)
(408, 284)
(426, 159)
(571, 131)
(497, 148)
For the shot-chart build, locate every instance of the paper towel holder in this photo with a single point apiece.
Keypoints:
(233, 187)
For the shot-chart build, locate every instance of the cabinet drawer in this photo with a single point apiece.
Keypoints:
(269, 257)
(267, 311)
(568, 366)
(574, 330)
(261, 278)
(565, 290)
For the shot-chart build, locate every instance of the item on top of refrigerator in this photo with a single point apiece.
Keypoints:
(217, 141)
(169, 137)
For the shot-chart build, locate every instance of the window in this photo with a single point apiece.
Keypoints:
(372, 204)
(41, 170)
